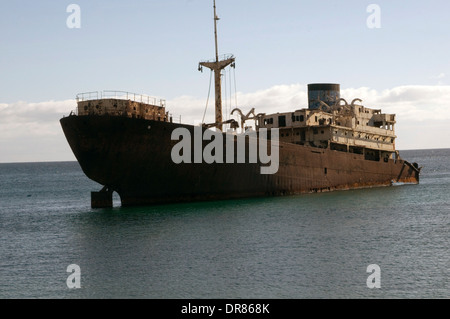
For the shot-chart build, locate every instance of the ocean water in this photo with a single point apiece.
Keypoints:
(294, 247)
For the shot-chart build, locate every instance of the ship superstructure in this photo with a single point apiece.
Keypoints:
(331, 122)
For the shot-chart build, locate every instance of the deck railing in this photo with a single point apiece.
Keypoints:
(221, 58)
(120, 95)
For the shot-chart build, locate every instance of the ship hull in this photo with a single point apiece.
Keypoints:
(133, 158)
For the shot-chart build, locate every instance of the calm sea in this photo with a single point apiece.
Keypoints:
(309, 246)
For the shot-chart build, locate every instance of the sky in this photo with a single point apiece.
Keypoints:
(395, 58)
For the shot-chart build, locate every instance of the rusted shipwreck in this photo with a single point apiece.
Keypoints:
(124, 142)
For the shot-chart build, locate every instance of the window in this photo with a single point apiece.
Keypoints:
(282, 121)
(302, 118)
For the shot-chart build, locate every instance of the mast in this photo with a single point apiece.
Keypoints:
(216, 18)
(217, 66)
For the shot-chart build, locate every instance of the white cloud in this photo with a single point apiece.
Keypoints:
(417, 103)
(31, 131)
(190, 109)
(280, 98)
(411, 103)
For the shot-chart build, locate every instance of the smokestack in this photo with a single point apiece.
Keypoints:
(325, 92)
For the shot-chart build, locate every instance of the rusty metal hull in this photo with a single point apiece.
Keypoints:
(133, 158)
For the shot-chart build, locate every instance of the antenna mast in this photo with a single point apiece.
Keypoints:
(217, 66)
